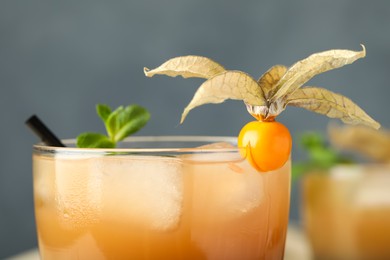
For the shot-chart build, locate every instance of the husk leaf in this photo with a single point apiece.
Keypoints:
(303, 70)
(333, 105)
(269, 79)
(187, 67)
(227, 85)
(373, 144)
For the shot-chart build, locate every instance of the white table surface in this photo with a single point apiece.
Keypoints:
(296, 247)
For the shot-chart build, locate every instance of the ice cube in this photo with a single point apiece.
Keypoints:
(239, 193)
(78, 191)
(374, 191)
(347, 172)
(145, 191)
(220, 152)
(224, 180)
(44, 174)
(226, 183)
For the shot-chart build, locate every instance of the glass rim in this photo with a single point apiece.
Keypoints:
(43, 148)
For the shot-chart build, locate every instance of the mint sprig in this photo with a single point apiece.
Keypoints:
(120, 123)
(321, 156)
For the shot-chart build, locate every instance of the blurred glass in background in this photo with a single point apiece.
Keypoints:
(345, 201)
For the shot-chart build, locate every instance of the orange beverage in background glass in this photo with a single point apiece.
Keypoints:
(164, 199)
(346, 212)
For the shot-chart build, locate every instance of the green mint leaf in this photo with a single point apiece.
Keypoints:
(320, 155)
(126, 121)
(112, 125)
(299, 169)
(103, 111)
(94, 140)
(130, 120)
(119, 124)
(310, 140)
(323, 156)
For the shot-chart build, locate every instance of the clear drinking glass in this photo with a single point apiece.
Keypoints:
(158, 198)
(346, 212)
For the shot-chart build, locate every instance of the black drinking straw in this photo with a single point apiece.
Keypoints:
(39, 128)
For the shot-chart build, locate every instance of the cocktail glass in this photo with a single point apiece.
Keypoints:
(158, 198)
(346, 212)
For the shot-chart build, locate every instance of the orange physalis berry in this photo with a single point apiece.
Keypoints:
(268, 144)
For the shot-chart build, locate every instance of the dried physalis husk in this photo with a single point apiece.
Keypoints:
(187, 67)
(303, 70)
(278, 87)
(333, 105)
(370, 143)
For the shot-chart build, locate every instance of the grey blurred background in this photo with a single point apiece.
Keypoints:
(59, 58)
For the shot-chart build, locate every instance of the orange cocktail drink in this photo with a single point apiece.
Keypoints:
(177, 202)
